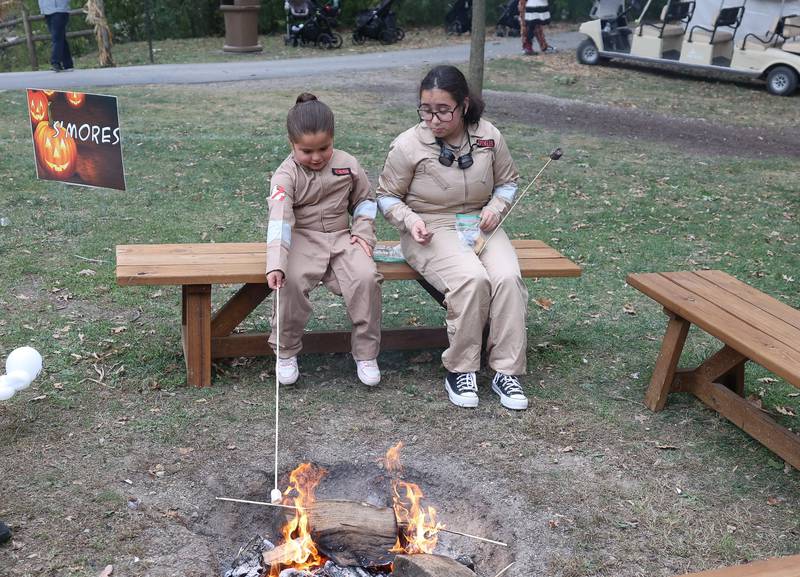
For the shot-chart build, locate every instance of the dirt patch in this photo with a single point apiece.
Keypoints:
(688, 134)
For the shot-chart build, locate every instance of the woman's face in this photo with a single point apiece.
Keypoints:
(449, 120)
(313, 150)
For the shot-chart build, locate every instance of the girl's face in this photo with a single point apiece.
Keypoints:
(448, 120)
(313, 150)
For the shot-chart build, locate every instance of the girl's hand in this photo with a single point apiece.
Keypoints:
(489, 220)
(275, 279)
(419, 233)
(362, 243)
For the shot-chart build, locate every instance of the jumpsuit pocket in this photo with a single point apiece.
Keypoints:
(430, 171)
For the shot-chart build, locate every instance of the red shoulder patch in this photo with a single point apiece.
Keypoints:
(485, 143)
(341, 171)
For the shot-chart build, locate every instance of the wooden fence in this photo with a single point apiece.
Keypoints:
(29, 39)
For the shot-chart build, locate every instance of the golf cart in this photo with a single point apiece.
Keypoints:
(698, 35)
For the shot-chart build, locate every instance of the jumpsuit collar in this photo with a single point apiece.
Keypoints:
(425, 135)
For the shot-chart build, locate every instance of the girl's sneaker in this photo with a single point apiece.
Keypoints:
(462, 389)
(288, 371)
(368, 372)
(510, 390)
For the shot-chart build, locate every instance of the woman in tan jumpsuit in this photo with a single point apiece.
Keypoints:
(456, 163)
(314, 193)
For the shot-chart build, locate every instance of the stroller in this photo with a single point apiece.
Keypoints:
(308, 22)
(379, 24)
(508, 22)
(459, 18)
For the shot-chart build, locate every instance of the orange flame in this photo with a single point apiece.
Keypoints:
(419, 527)
(301, 551)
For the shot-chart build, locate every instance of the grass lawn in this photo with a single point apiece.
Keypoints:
(109, 459)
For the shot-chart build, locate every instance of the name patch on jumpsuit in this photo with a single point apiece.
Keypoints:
(341, 171)
(485, 143)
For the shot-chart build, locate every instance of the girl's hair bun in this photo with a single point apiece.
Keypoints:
(305, 97)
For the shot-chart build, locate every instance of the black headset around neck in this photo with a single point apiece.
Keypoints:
(447, 156)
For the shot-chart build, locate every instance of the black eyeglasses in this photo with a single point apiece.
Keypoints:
(447, 156)
(427, 114)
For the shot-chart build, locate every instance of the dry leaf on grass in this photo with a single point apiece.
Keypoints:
(567, 449)
(628, 308)
(86, 272)
(767, 380)
(788, 411)
(544, 302)
(107, 571)
(754, 400)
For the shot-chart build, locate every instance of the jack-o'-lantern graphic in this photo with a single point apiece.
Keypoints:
(57, 150)
(37, 105)
(49, 92)
(75, 99)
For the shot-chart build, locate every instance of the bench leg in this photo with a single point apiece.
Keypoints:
(666, 363)
(240, 305)
(196, 334)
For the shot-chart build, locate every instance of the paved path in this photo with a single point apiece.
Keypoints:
(266, 69)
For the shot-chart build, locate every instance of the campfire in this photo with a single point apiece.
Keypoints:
(342, 538)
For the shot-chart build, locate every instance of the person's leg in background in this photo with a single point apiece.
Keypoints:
(538, 30)
(60, 57)
(527, 42)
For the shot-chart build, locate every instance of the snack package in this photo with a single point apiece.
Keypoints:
(388, 253)
(467, 229)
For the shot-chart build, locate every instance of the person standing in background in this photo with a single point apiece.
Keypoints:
(56, 15)
(533, 16)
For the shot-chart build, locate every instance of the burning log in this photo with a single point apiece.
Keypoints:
(353, 534)
(427, 565)
(283, 553)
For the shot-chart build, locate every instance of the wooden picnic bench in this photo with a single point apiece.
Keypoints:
(206, 336)
(777, 567)
(752, 327)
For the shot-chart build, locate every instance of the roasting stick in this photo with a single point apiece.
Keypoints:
(473, 537)
(506, 568)
(256, 502)
(275, 495)
(481, 244)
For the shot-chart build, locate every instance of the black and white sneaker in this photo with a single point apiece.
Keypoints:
(510, 390)
(462, 388)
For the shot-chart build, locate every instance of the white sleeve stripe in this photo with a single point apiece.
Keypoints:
(280, 231)
(366, 209)
(385, 203)
(506, 191)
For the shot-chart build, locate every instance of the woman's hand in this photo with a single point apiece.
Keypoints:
(275, 279)
(419, 232)
(354, 239)
(489, 220)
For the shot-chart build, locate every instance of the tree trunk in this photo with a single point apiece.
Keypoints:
(353, 534)
(476, 49)
(428, 566)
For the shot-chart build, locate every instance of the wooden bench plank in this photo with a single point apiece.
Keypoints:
(765, 302)
(746, 311)
(754, 344)
(778, 567)
(234, 263)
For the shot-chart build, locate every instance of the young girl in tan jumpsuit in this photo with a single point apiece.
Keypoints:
(452, 163)
(310, 239)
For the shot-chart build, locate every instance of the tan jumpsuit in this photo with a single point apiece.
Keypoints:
(477, 290)
(308, 239)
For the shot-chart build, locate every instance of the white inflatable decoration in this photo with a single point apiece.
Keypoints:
(23, 365)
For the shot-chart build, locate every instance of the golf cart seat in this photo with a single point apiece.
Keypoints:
(675, 17)
(782, 29)
(726, 18)
(791, 32)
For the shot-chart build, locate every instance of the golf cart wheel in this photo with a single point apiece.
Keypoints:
(587, 52)
(359, 39)
(399, 34)
(325, 41)
(337, 40)
(782, 81)
(388, 36)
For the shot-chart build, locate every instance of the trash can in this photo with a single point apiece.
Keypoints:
(241, 25)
